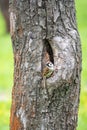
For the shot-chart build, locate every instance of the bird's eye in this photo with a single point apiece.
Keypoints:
(50, 64)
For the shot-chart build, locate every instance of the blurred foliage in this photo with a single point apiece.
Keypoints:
(6, 58)
(6, 75)
(6, 69)
(6, 63)
(4, 115)
(82, 26)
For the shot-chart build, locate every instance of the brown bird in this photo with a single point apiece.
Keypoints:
(48, 70)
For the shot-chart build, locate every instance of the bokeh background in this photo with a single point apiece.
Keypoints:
(6, 69)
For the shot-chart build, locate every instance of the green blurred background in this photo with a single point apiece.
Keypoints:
(6, 69)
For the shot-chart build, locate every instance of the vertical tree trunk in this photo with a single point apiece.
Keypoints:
(37, 27)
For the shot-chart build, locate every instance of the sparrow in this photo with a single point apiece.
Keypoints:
(47, 73)
(48, 70)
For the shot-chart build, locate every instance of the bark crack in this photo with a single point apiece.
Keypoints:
(45, 3)
(47, 54)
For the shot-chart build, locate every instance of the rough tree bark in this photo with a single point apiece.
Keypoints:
(38, 26)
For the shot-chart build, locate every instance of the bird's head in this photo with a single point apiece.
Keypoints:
(50, 65)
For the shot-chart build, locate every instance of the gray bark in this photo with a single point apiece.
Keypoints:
(38, 26)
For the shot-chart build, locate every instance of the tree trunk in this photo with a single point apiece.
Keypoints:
(44, 30)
